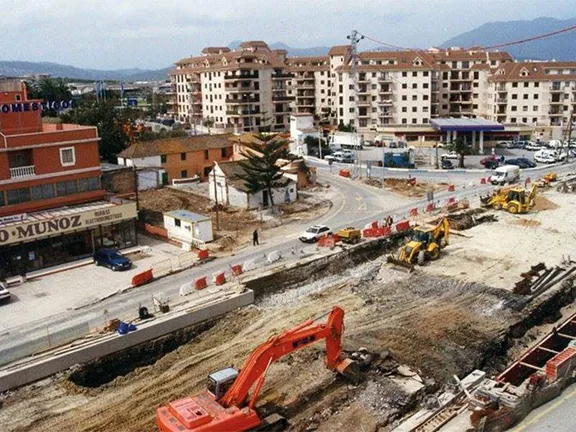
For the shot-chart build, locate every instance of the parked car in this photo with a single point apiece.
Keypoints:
(505, 174)
(314, 233)
(545, 156)
(112, 259)
(447, 164)
(528, 162)
(533, 146)
(503, 144)
(520, 164)
(490, 158)
(522, 144)
(491, 164)
(450, 155)
(4, 293)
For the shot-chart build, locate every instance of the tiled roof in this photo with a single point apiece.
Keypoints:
(401, 60)
(469, 54)
(532, 71)
(175, 145)
(339, 50)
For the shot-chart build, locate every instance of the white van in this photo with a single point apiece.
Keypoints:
(555, 144)
(505, 174)
(546, 156)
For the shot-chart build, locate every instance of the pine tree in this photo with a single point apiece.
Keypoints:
(261, 171)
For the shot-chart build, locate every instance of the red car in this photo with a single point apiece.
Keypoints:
(491, 158)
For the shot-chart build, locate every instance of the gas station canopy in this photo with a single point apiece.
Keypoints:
(465, 125)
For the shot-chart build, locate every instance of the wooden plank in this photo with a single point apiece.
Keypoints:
(531, 366)
(548, 350)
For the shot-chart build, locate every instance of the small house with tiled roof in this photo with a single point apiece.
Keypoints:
(227, 189)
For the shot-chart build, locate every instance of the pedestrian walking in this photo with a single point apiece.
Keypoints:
(389, 221)
(502, 159)
(255, 238)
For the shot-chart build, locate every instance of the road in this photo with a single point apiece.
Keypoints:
(355, 204)
(554, 416)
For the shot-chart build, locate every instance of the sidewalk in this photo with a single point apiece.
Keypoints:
(79, 283)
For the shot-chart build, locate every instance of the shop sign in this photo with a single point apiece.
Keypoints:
(36, 106)
(14, 218)
(63, 224)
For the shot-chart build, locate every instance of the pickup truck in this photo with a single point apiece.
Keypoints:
(341, 156)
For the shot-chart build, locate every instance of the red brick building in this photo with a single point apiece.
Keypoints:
(51, 199)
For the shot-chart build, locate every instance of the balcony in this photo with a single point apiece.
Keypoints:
(23, 171)
(240, 101)
(281, 98)
(242, 88)
(282, 76)
(242, 76)
(363, 102)
(384, 78)
(556, 87)
(241, 113)
(385, 102)
(501, 101)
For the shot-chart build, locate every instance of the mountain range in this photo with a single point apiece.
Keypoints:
(559, 47)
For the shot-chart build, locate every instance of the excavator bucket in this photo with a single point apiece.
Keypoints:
(400, 263)
(349, 369)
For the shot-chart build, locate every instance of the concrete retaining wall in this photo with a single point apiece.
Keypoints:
(18, 375)
(313, 268)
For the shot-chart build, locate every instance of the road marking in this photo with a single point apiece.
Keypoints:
(359, 197)
(546, 411)
(363, 206)
(292, 235)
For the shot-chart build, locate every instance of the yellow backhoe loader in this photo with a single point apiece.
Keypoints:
(513, 199)
(425, 244)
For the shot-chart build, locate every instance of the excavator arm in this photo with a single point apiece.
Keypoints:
(442, 230)
(531, 198)
(254, 369)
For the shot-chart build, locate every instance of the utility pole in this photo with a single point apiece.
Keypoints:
(354, 38)
(216, 199)
(569, 134)
(320, 142)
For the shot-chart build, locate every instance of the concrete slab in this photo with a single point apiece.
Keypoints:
(207, 306)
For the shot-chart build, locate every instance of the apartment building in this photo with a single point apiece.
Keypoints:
(233, 91)
(536, 93)
(52, 207)
(402, 89)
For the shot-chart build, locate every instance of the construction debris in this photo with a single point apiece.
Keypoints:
(539, 279)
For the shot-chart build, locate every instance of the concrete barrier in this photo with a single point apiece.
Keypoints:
(142, 278)
(20, 374)
(273, 256)
(250, 265)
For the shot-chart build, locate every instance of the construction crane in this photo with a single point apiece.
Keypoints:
(225, 406)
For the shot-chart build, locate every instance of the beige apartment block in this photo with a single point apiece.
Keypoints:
(255, 88)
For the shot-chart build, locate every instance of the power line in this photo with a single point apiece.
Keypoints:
(500, 45)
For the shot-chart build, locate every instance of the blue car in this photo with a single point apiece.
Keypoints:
(112, 259)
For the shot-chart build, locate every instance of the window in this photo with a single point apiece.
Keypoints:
(42, 192)
(513, 120)
(177, 222)
(536, 84)
(425, 85)
(535, 108)
(404, 121)
(71, 186)
(61, 188)
(514, 108)
(515, 84)
(425, 73)
(404, 74)
(414, 86)
(414, 109)
(223, 150)
(182, 156)
(525, 108)
(206, 155)
(2, 201)
(184, 174)
(16, 196)
(525, 85)
(525, 96)
(414, 121)
(404, 86)
(425, 97)
(524, 120)
(414, 97)
(414, 74)
(535, 96)
(404, 97)
(514, 96)
(67, 156)
(404, 109)
(162, 158)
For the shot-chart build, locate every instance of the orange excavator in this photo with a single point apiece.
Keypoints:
(224, 405)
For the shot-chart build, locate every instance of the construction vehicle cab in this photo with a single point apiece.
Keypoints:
(219, 382)
(425, 244)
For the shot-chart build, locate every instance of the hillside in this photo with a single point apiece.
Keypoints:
(559, 47)
(19, 68)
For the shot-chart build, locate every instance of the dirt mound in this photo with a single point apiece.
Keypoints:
(407, 187)
(526, 222)
(543, 203)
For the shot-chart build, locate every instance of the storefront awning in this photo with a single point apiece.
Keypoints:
(38, 225)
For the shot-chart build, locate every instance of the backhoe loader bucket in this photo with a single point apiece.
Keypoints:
(349, 369)
(398, 262)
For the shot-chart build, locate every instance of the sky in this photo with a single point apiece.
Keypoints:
(153, 34)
